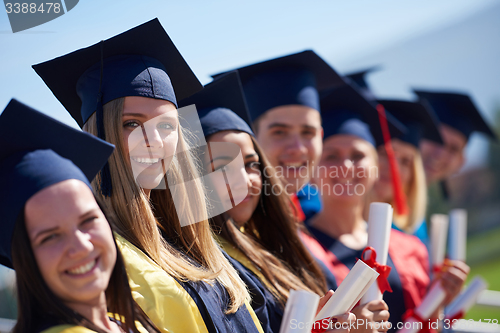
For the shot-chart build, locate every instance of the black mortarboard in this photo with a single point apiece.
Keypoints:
(135, 63)
(221, 105)
(359, 78)
(420, 121)
(292, 79)
(456, 110)
(346, 111)
(37, 151)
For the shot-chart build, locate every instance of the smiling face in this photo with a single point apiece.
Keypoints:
(247, 177)
(150, 136)
(405, 158)
(347, 169)
(291, 137)
(72, 242)
(441, 162)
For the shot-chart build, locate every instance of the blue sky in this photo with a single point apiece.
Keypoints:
(223, 34)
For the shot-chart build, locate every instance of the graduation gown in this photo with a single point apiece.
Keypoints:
(78, 329)
(420, 232)
(267, 308)
(408, 258)
(175, 306)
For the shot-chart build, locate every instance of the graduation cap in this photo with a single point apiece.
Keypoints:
(456, 110)
(221, 105)
(142, 61)
(420, 121)
(36, 152)
(292, 79)
(347, 111)
(359, 79)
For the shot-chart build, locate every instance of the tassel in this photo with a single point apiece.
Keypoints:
(399, 195)
(105, 185)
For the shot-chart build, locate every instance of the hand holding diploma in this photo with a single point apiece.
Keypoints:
(350, 291)
(462, 304)
(418, 318)
(301, 308)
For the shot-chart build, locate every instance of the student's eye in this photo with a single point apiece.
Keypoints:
(278, 133)
(405, 161)
(88, 221)
(309, 133)
(331, 157)
(131, 124)
(165, 126)
(252, 165)
(48, 238)
(357, 157)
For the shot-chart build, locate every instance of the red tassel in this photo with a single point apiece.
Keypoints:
(399, 195)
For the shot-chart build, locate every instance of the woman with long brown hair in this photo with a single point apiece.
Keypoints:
(70, 274)
(122, 90)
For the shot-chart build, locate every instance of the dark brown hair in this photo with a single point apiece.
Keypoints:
(39, 308)
(271, 240)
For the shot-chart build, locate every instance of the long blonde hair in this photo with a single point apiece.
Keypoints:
(416, 196)
(196, 256)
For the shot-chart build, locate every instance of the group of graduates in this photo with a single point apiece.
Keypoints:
(142, 223)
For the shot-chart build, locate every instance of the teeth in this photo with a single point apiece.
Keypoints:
(148, 161)
(83, 269)
(293, 165)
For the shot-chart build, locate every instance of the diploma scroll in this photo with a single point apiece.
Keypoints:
(439, 233)
(464, 301)
(458, 234)
(423, 312)
(379, 232)
(299, 312)
(350, 291)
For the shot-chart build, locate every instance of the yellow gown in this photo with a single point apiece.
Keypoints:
(161, 297)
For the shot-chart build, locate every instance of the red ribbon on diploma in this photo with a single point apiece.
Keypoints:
(383, 270)
(319, 326)
(437, 270)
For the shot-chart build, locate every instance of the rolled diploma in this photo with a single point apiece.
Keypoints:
(467, 298)
(350, 291)
(458, 234)
(439, 232)
(379, 232)
(430, 303)
(301, 306)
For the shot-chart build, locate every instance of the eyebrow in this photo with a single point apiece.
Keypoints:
(250, 155)
(273, 125)
(221, 158)
(141, 115)
(282, 125)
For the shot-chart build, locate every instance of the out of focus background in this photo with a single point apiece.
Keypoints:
(443, 44)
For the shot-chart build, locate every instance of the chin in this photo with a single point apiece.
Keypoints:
(149, 183)
(293, 185)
